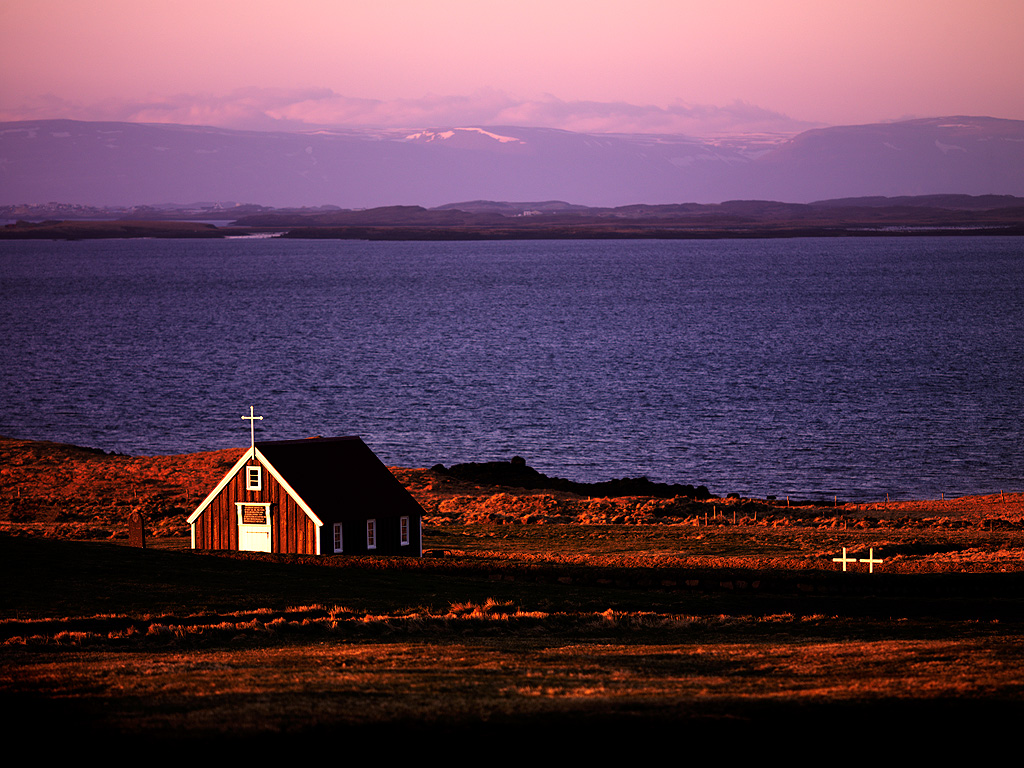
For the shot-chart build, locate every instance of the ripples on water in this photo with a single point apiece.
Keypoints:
(857, 366)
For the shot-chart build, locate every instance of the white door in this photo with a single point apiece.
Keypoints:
(253, 527)
(250, 540)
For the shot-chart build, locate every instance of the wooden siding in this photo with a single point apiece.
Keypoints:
(388, 537)
(291, 529)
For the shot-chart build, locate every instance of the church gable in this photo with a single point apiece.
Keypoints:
(251, 509)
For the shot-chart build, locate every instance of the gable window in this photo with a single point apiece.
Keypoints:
(371, 534)
(337, 537)
(254, 478)
(404, 531)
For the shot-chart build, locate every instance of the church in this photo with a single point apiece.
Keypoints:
(314, 496)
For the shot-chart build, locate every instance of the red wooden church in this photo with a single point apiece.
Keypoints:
(311, 497)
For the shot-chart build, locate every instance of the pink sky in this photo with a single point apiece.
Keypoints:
(595, 65)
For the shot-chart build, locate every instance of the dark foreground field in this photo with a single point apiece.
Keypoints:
(174, 649)
(546, 626)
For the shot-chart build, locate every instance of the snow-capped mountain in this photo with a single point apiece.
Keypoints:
(135, 164)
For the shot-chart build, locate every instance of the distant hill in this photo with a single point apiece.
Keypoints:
(1003, 212)
(481, 219)
(132, 164)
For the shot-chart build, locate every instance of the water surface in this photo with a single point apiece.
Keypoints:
(811, 367)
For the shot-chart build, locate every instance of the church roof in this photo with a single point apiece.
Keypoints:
(336, 474)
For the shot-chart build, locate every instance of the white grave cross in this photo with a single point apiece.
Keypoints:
(844, 559)
(871, 560)
(252, 424)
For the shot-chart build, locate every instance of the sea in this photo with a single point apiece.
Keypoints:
(855, 368)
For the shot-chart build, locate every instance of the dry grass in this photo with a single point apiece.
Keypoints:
(50, 489)
(461, 685)
(599, 661)
(571, 621)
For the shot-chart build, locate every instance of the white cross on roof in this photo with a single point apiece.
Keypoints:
(252, 423)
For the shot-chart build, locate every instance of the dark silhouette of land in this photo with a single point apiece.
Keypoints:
(487, 220)
(516, 474)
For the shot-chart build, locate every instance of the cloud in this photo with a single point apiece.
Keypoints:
(265, 109)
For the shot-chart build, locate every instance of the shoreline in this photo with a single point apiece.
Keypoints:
(126, 230)
(56, 489)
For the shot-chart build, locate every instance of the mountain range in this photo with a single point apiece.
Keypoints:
(126, 164)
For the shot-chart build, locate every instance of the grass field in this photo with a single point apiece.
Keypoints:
(544, 627)
(165, 645)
